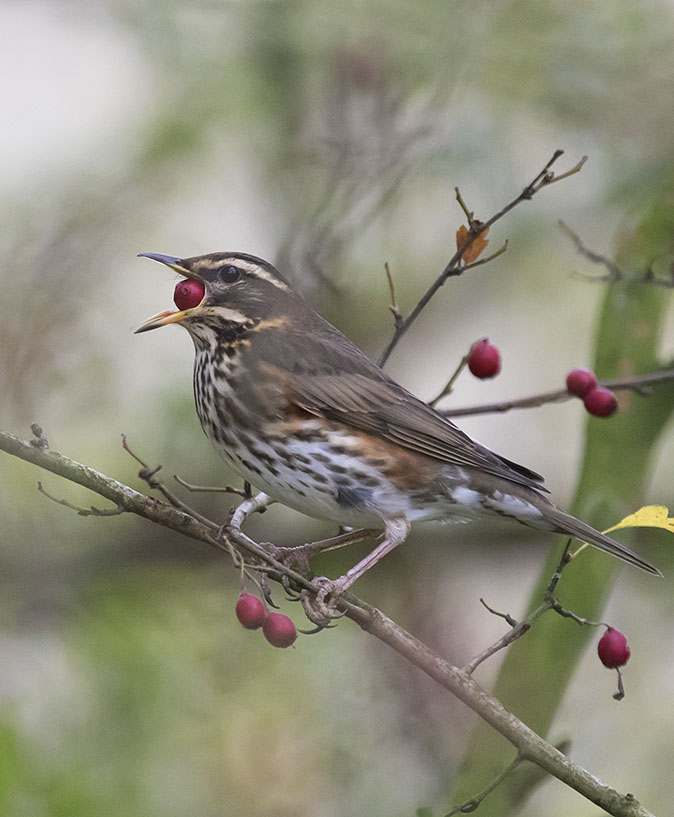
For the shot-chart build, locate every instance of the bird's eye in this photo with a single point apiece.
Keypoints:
(229, 274)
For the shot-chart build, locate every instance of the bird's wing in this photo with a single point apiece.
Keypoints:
(339, 382)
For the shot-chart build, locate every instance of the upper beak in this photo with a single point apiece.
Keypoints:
(164, 318)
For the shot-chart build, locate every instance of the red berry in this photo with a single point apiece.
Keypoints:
(188, 293)
(279, 630)
(581, 381)
(484, 359)
(601, 402)
(250, 611)
(612, 649)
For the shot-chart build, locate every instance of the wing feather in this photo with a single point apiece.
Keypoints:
(334, 379)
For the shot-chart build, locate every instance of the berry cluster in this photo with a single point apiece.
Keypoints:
(484, 360)
(277, 628)
(597, 400)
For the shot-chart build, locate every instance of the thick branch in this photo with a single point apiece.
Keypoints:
(529, 745)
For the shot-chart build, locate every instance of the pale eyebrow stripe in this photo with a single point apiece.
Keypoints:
(259, 272)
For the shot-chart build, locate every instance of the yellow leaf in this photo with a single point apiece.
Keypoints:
(476, 248)
(650, 516)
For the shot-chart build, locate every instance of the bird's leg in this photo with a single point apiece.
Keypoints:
(257, 503)
(300, 554)
(395, 533)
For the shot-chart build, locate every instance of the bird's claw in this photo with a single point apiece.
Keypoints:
(319, 606)
(289, 556)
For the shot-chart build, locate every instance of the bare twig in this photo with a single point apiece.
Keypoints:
(519, 628)
(393, 306)
(455, 266)
(148, 475)
(212, 489)
(486, 260)
(614, 272)
(449, 385)
(90, 511)
(471, 805)
(505, 616)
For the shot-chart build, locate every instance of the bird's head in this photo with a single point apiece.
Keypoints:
(235, 288)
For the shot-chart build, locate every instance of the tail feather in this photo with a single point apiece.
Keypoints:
(580, 530)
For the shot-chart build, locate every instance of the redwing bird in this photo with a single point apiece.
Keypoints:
(302, 414)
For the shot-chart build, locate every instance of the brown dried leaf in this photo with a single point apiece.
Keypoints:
(476, 248)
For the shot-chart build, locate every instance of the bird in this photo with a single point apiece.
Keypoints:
(301, 413)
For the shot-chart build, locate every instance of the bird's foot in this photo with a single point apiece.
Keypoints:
(290, 556)
(300, 554)
(320, 606)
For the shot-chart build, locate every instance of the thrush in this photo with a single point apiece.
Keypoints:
(306, 417)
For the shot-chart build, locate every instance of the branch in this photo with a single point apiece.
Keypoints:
(455, 266)
(614, 272)
(519, 628)
(472, 804)
(528, 744)
(640, 384)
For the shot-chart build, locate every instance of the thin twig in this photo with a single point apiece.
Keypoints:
(90, 511)
(614, 272)
(486, 260)
(455, 265)
(212, 489)
(148, 475)
(471, 805)
(449, 385)
(505, 616)
(638, 384)
(519, 628)
(393, 306)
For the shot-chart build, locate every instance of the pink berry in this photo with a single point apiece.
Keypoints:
(484, 359)
(279, 630)
(250, 611)
(188, 293)
(581, 381)
(601, 402)
(612, 649)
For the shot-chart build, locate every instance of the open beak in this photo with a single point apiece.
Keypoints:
(164, 318)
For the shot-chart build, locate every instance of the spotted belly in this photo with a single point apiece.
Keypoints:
(320, 475)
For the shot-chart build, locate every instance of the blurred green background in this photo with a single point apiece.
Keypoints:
(328, 138)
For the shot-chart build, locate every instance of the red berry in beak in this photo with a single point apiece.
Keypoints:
(188, 294)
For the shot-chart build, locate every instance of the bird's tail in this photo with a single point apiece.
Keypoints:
(580, 530)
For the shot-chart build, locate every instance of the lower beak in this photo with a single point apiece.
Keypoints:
(164, 318)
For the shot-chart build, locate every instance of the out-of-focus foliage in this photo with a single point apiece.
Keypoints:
(328, 137)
